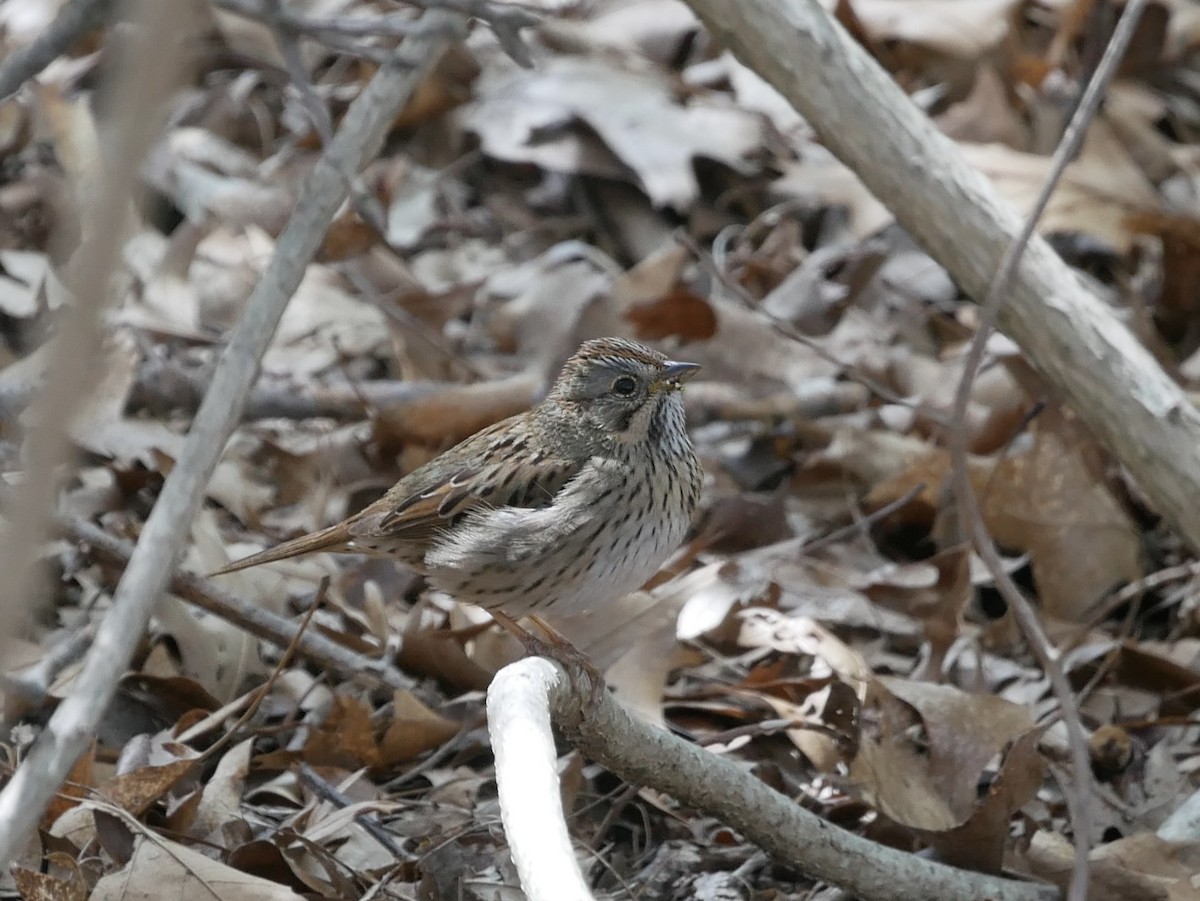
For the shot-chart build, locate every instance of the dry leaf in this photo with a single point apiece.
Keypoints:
(1051, 503)
(633, 113)
(978, 843)
(413, 729)
(345, 739)
(35, 886)
(966, 31)
(1096, 195)
(964, 731)
(136, 791)
(191, 876)
(679, 314)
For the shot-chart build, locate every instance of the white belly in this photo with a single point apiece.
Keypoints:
(569, 559)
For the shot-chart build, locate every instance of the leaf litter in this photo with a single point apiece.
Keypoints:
(823, 623)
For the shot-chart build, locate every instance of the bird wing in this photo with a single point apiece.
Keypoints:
(505, 536)
(418, 514)
(427, 502)
(492, 469)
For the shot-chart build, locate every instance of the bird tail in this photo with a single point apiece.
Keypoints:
(333, 538)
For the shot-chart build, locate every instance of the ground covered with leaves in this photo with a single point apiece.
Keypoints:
(825, 624)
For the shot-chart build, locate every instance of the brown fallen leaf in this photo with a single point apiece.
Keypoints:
(413, 729)
(1052, 503)
(978, 843)
(447, 416)
(345, 739)
(74, 789)
(35, 886)
(678, 313)
(986, 115)
(1096, 195)
(895, 779)
(1050, 857)
(448, 85)
(941, 25)
(158, 863)
(963, 732)
(931, 786)
(1049, 502)
(136, 791)
(221, 795)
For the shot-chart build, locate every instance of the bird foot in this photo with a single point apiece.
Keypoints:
(556, 647)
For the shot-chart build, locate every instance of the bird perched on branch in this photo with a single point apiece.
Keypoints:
(563, 508)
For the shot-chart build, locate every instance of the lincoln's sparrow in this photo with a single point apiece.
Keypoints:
(563, 508)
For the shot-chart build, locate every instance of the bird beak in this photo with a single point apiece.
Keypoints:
(675, 374)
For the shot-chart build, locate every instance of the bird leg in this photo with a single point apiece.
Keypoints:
(558, 648)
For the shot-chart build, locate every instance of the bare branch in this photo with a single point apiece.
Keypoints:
(518, 700)
(73, 21)
(527, 781)
(324, 790)
(164, 385)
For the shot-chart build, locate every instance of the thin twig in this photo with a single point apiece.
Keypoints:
(785, 328)
(360, 138)
(1105, 607)
(762, 728)
(73, 21)
(163, 386)
(505, 19)
(394, 25)
(364, 203)
(250, 618)
(806, 545)
(260, 693)
(436, 758)
(341, 34)
(1025, 615)
(369, 821)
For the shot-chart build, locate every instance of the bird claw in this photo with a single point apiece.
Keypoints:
(577, 667)
(557, 648)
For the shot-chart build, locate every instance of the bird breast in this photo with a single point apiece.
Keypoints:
(607, 532)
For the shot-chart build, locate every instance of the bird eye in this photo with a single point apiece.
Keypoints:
(625, 386)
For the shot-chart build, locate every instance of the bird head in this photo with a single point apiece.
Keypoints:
(622, 389)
